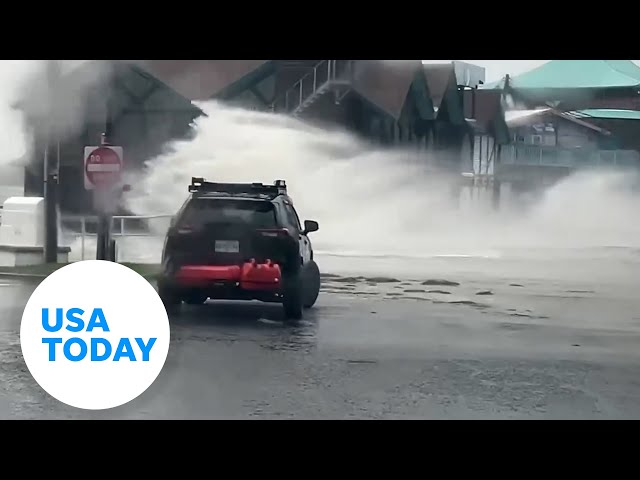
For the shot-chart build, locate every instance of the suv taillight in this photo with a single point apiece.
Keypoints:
(185, 229)
(274, 232)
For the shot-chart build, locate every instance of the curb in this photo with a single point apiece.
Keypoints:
(40, 277)
(22, 276)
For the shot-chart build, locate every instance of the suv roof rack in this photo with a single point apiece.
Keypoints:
(199, 185)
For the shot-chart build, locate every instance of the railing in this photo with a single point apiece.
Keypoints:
(140, 226)
(319, 78)
(532, 155)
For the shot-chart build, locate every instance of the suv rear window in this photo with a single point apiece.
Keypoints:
(207, 211)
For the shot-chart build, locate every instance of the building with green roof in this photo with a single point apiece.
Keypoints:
(575, 84)
(623, 124)
(566, 115)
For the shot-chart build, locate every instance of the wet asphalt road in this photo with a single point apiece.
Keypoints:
(364, 357)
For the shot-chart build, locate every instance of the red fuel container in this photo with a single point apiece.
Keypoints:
(260, 276)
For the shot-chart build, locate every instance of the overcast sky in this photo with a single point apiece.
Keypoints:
(496, 69)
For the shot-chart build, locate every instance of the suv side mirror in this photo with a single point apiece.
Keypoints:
(310, 226)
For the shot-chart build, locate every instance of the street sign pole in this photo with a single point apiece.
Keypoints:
(103, 166)
(50, 173)
(104, 235)
(104, 221)
(51, 218)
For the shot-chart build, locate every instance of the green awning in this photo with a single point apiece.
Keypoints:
(608, 114)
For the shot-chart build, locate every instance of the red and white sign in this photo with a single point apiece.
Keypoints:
(103, 167)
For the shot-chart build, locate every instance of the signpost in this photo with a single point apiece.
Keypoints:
(103, 167)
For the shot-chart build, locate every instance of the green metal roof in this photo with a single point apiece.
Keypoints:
(608, 114)
(575, 74)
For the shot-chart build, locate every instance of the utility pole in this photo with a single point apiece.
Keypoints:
(51, 167)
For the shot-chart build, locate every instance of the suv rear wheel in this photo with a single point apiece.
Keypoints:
(172, 301)
(195, 298)
(311, 284)
(292, 301)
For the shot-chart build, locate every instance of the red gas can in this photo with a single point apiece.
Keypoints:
(260, 276)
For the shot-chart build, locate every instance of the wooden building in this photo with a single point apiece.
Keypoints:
(397, 103)
(624, 123)
(561, 117)
(143, 104)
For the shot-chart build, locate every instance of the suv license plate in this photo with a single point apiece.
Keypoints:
(227, 246)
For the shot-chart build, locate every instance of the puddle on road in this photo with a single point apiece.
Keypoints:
(391, 289)
(262, 324)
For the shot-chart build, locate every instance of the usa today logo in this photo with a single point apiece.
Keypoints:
(95, 335)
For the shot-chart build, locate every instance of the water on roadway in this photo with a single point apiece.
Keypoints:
(371, 350)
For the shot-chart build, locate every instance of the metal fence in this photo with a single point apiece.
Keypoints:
(82, 227)
(567, 157)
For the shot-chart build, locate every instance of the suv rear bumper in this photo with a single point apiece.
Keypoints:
(222, 291)
(230, 282)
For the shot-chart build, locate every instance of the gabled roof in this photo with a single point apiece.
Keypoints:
(133, 86)
(199, 79)
(575, 74)
(418, 105)
(385, 83)
(439, 78)
(443, 85)
(129, 88)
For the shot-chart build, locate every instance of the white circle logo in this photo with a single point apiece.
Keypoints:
(94, 334)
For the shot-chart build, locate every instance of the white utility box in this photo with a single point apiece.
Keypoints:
(22, 233)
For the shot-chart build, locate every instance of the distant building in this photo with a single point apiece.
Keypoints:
(547, 145)
(574, 85)
(623, 123)
(553, 127)
(388, 102)
(143, 104)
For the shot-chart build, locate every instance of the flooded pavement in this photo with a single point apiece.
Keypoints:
(415, 354)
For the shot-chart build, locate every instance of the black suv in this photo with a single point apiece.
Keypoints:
(238, 241)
